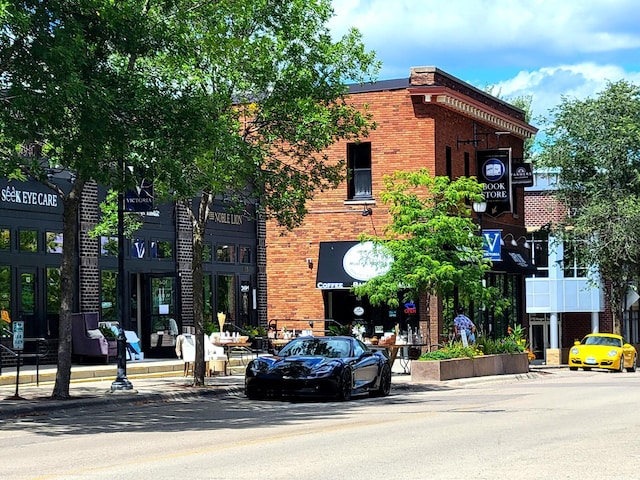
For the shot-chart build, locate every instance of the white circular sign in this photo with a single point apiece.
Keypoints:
(358, 311)
(365, 261)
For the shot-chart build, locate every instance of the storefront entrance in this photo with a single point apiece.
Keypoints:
(154, 308)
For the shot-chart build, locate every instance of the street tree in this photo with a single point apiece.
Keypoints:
(81, 93)
(435, 246)
(233, 99)
(273, 82)
(595, 146)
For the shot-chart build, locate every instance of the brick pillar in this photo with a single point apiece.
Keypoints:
(184, 259)
(88, 251)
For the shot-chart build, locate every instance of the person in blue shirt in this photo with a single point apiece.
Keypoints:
(462, 323)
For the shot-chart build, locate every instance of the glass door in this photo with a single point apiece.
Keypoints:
(27, 302)
(164, 326)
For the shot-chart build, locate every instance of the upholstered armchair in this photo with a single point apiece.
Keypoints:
(87, 339)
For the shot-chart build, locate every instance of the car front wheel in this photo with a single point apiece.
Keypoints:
(621, 369)
(344, 387)
(385, 382)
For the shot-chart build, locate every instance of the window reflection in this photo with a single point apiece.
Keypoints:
(28, 241)
(54, 242)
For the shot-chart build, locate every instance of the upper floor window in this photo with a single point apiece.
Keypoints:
(5, 239)
(28, 240)
(359, 165)
(225, 253)
(162, 249)
(54, 242)
(539, 242)
(573, 266)
(109, 246)
(245, 254)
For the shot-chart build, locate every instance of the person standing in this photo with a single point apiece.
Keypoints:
(462, 325)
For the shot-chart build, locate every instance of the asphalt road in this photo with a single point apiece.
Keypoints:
(574, 425)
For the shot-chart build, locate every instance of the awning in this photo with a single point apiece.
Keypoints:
(514, 261)
(342, 265)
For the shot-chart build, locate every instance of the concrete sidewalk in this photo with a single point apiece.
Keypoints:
(157, 380)
(152, 380)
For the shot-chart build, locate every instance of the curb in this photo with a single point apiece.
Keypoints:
(45, 405)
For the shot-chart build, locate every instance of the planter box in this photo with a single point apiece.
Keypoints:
(469, 367)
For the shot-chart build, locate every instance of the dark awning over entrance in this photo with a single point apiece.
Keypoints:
(514, 261)
(342, 265)
(331, 274)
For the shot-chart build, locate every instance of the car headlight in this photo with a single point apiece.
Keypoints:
(575, 351)
(613, 353)
(324, 369)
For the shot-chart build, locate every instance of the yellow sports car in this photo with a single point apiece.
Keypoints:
(603, 350)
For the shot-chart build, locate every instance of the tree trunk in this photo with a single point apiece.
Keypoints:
(199, 226)
(67, 289)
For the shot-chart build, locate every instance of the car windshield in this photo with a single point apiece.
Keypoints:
(604, 341)
(317, 347)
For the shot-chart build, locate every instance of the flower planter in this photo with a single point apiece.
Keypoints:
(469, 367)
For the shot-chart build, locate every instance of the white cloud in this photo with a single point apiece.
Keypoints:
(543, 48)
(547, 85)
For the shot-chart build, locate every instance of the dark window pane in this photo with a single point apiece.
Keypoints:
(28, 241)
(5, 239)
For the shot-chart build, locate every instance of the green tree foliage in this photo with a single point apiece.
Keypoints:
(270, 80)
(595, 145)
(433, 240)
(229, 98)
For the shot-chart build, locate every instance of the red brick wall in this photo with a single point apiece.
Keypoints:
(542, 208)
(410, 135)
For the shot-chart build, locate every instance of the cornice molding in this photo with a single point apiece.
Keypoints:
(474, 109)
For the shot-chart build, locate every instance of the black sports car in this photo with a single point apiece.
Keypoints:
(334, 367)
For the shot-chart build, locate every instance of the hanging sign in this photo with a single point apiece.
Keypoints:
(494, 171)
(522, 175)
(491, 245)
(140, 199)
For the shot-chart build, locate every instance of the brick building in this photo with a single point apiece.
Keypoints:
(430, 120)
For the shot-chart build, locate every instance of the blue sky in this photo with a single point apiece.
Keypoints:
(543, 48)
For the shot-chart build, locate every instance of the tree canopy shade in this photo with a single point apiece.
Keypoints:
(595, 144)
(229, 98)
(435, 244)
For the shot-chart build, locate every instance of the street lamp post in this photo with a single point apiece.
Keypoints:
(479, 208)
(121, 383)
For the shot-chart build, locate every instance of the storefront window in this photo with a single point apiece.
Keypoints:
(206, 253)
(162, 249)
(226, 296)
(5, 288)
(226, 253)
(5, 239)
(207, 282)
(28, 241)
(53, 291)
(54, 242)
(109, 296)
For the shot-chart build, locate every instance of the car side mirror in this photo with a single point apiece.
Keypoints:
(577, 342)
(367, 353)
